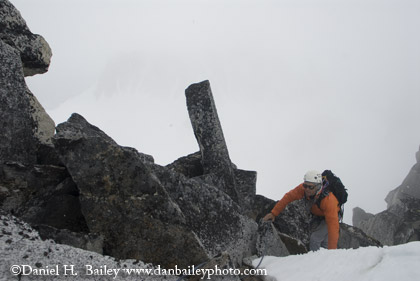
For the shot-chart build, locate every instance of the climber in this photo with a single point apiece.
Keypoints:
(325, 208)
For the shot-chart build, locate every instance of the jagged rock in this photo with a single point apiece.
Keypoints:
(20, 244)
(294, 221)
(211, 214)
(410, 188)
(269, 242)
(246, 181)
(353, 238)
(360, 215)
(44, 125)
(418, 156)
(400, 222)
(33, 50)
(86, 241)
(17, 140)
(41, 194)
(190, 165)
(123, 200)
(388, 228)
(26, 125)
(209, 134)
(294, 246)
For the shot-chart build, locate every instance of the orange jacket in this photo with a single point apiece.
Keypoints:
(328, 208)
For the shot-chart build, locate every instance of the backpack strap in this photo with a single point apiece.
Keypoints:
(324, 191)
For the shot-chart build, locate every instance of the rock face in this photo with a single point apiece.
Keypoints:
(269, 242)
(353, 238)
(360, 215)
(400, 222)
(41, 195)
(211, 214)
(33, 50)
(25, 125)
(294, 221)
(209, 134)
(139, 206)
(123, 200)
(17, 139)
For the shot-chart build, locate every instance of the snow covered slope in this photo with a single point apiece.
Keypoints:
(371, 263)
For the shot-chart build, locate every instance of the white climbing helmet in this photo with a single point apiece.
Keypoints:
(313, 176)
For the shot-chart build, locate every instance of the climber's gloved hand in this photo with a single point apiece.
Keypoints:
(269, 217)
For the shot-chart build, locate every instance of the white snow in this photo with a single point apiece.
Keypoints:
(391, 263)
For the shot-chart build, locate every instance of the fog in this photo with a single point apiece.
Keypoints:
(298, 84)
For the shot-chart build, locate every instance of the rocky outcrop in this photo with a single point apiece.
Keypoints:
(87, 241)
(352, 238)
(409, 189)
(41, 195)
(162, 207)
(18, 142)
(359, 215)
(211, 214)
(400, 222)
(245, 181)
(20, 244)
(123, 200)
(294, 221)
(269, 241)
(209, 134)
(26, 127)
(30, 186)
(34, 51)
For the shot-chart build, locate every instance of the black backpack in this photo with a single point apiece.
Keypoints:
(334, 185)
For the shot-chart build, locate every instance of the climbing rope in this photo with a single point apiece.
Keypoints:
(265, 226)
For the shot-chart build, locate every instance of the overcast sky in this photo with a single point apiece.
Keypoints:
(298, 84)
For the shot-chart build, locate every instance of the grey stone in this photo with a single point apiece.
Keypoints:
(385, 226)
(25, 124)
(209, 134)
(410, 188)
(41, 195)
(33, 50)
(246, 181)
(190, 165)
(352, 238)
(360, 215)
(44, 125)
(85, 241)
(211, 214)
(400, 222)
(123, 200)
(269, 242)
(17, 139)
(294, 221)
